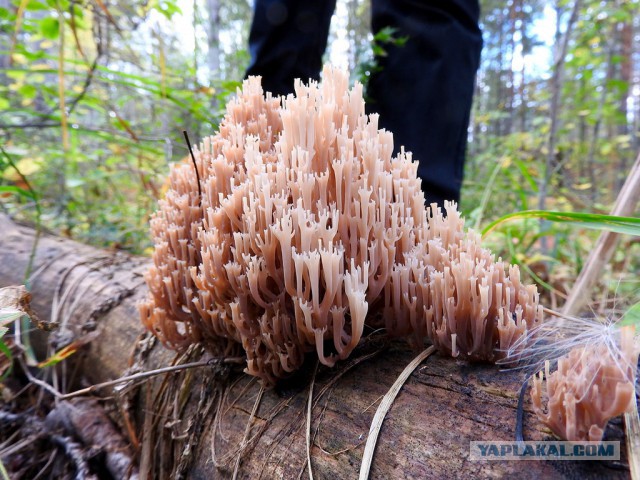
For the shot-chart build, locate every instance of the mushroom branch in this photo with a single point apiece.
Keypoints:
(309, 233)
(593, 383)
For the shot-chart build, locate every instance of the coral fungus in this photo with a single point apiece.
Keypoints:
(309, 229)
(593, 383)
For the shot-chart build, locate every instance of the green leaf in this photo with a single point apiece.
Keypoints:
(3, 472)
(166, 7)
(50, 28)
(606, 148)
(4, 103)
(385, 34)
(631, 316)
(8, 315)
(524, 171)
(33, 56)
(618, 84)
(27, 91)
(612, 223)
(17, 190)
(34, 6)
(7, 352)
(378, 51)
(61, 4)
(78, 11)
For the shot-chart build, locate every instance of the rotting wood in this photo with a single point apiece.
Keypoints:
(443, 406)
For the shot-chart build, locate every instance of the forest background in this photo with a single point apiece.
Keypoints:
(95, 94)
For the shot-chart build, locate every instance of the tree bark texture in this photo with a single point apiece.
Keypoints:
(173, 420)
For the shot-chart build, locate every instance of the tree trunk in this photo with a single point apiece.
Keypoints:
(213, 38)
(173, 420)
(626, 75)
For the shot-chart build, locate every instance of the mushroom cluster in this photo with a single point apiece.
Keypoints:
(593, 384)
(309, 229)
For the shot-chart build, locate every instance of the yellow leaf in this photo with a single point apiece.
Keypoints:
(16, 74)
(623, 140)
(69, 350)
(58, 356)
(29, 165)
(116, 149)
(606, 149)
(505, 161)
(19, 59)
(206, 90)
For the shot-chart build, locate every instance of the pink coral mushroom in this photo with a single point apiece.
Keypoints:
(308, 230)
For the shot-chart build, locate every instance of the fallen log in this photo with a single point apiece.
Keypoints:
(209, 422)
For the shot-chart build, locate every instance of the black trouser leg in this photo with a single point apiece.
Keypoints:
(424, 91)
(287, 41)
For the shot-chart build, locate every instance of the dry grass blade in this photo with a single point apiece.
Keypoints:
(150, 373)
(632, 426)
(16, 447)
(383, 408)
(245, 440)
(309, 409)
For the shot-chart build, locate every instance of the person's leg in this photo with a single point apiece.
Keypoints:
(287, 41)
(424, 91)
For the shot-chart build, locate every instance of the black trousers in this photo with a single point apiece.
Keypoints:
(424, 90)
